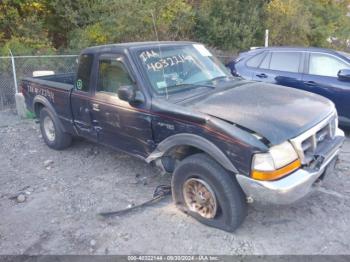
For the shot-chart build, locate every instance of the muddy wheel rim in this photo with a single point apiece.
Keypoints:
(49, 128)
(200, 197)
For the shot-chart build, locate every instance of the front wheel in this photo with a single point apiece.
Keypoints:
(205, 190)
(52, 134)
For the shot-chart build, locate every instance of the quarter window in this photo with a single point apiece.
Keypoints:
(325, 65)
(285, 61)
(112, 75)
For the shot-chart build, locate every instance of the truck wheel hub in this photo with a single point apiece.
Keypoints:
(200, 198)
(49, 128)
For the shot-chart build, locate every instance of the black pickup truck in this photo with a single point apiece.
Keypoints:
(226, 141)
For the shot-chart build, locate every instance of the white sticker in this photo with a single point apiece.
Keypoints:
(161, 84)
(202, 50)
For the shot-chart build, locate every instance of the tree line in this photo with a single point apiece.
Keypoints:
(67, 26)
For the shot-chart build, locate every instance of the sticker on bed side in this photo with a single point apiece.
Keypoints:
(79, 84)
(202, 50)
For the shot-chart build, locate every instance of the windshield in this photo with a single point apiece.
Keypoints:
(176, 68)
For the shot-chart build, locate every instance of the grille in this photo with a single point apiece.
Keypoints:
(307, 143)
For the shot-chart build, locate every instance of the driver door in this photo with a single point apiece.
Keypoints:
(121, 125)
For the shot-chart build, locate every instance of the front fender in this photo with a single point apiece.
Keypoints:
(195, 141)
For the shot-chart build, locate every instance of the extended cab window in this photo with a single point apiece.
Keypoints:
(82, 82)
(325, 65)
(285, 61)
(112, 75)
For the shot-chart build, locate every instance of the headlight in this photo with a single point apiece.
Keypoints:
(281, 160)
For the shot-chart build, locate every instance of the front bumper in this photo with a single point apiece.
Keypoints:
(292, 187)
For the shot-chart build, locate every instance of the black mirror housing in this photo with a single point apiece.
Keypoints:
(130, 94)
(127, 93)
(344, 75)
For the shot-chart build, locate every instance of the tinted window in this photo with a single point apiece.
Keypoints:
(325, 65)
(255, 60)
(112, 75)
(84, 70)
(285, 61)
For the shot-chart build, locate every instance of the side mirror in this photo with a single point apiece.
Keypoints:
(344, 75)
(130, 94)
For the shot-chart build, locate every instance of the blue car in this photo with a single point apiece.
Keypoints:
(321, 71)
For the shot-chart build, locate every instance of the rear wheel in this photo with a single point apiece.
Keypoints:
(52, 134)
(205, 190)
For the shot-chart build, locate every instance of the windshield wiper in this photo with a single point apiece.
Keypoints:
(191, 86)
(217, 78)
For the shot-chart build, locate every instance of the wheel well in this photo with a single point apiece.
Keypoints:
(37, 107)
(177, 153)
(182, 151)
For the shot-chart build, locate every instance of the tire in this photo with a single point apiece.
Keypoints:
(51, 132)
(231, 207)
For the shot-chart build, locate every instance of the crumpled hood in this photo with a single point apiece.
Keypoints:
(275, 112)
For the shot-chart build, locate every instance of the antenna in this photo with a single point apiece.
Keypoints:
(160, 53)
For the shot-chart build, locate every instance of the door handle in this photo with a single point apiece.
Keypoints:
(262, 75)
(95, 107)
(310, 83)
(96, 127)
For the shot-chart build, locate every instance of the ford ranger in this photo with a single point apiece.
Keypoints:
(226, 141)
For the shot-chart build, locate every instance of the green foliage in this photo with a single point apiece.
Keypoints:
(173, 20)
(26, 46)
(308, 22)
(288, 21)
(48, 26)
(230, 24)
(328, 19)
(22, 27)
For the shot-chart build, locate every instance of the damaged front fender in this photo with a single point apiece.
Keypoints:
(194, 141)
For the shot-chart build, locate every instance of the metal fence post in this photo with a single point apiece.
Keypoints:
(14, 71)
(267, 38)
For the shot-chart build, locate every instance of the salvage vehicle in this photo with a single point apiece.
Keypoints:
(226, 141)
(317, 70)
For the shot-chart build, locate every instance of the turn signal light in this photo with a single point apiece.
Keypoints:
(276, 174)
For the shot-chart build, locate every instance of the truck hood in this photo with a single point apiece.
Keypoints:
(274, 112)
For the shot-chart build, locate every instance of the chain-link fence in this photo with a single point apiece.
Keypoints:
(7, 86)
(13, 69)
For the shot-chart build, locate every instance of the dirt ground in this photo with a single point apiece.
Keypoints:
(64, 191)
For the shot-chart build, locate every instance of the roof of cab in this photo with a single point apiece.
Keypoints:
(116, 47)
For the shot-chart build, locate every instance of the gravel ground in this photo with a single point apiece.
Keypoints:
(62, 192)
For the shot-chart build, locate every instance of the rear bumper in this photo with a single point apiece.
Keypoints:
(292, 187)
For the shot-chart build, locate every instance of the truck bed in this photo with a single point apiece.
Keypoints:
(55, 90)
(62, 81)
